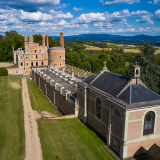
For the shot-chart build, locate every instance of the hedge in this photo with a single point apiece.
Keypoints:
(3, 72)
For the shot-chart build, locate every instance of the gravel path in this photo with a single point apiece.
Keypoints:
(32, 141)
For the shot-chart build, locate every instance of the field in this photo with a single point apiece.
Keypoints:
(37, 99)
(12, 136)
(70, 140)
(128, 48)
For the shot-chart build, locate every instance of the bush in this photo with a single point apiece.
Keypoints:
(3, 72)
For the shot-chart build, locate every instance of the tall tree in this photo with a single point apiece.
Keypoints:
(150, 71)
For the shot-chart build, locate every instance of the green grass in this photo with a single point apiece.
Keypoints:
(37, 99)
(76, 70)
(12, 135)
(68, 139)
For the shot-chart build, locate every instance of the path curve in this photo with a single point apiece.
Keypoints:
(32, 141)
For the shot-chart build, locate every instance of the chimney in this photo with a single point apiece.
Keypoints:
(61, 40)
(25, 41)
(72, 73)
(43, 41)
(63, 69)
(31, 39)
(47, 42)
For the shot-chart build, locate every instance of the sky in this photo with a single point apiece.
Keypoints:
(74, 17)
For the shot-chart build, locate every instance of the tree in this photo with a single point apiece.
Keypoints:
(10, 34)
(52, 42)
(150, 71)
(37, 38)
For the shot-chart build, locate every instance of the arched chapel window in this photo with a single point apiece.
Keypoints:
(117, 113)
(136, 71)
(98, 107)
(149, 123)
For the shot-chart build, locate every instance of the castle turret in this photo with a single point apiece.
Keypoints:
(61, 40)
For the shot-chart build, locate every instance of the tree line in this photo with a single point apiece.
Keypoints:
(92, 60)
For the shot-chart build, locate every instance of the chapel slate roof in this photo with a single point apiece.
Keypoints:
(110, 82)
(154, 151)
(121, 89)
(138, 93)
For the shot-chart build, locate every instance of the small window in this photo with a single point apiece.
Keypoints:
(32, 64)
(21, 57)
(115, 144)
(35, 51)
(36, 63)
(26, 64)
(16, 72)
(60, 57)
(60, 64)
(42, 63)
(36, 56)
(136, 71)
(98, 107)
(42, 56)
(149, 123)
(11, 72)
(117, 113)
(21, 63)
(31, 56)
(26, 57)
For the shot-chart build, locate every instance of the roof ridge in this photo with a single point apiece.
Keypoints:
(99, 74)
(124, 87)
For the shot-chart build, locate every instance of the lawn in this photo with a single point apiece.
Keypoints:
(68, 139)
(76, 70)
(37, 99)
(12, 135)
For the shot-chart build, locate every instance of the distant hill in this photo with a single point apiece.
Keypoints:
(111, 38)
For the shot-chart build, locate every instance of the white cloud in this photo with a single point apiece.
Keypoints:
(150, 2)
(31, 5)
(35, 16)
(116, 2)
(77, 9)
(156, 1)
(145, 17)
(62, 22)
(157, 14)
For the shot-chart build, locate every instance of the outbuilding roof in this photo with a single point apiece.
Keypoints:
(121, 89)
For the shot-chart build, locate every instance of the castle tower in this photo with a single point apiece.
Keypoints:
(61, 40)
(47, 42)
(135, 71)
(43, 41)
(31, 39)
(25, 41)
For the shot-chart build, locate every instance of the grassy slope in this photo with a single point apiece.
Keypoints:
(37, 99)
(76, 70)
(70, 140)
(12, 136)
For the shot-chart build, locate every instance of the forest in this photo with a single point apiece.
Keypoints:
(92, 60)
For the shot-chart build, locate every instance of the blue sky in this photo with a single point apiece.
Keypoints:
(120, 17)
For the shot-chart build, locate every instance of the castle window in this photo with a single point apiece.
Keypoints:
(117, 113)
(26, 64)
(32, 64)
(21, 57)
(21, 63)
(60, 64)
(36, 63)
(42, 56)
(36, 56)
(26, 57)
(31, 56)
(16, 72)
(60, 57)
(42, 63)
(149, 123)
(98, 107)
(136, 71)
(35, 51)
